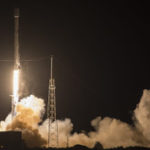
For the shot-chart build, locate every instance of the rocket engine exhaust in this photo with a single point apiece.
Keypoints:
(16, 71)
(16, 86)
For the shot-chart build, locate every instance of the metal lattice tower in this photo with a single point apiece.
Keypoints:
(51, 111)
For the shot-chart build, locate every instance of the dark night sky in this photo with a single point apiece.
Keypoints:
(101, 53)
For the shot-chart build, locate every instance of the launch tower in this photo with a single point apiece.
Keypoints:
(51, 110)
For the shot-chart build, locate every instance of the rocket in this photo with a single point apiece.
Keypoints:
(15, 96)
(16, 40)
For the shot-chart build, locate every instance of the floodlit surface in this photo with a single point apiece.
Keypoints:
(16, 86)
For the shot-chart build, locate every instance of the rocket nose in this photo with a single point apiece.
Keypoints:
(16, 12)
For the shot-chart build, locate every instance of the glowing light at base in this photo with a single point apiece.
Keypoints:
(16, 86)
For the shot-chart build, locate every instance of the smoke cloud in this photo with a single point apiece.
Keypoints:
(28, 115)
(110, 132)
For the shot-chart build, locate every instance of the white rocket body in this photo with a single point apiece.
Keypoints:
(16, 40)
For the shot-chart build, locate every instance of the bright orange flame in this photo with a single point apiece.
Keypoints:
(16, 86)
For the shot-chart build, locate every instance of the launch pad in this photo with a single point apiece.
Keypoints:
(52, 138)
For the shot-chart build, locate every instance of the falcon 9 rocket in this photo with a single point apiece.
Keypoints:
(16, 39)
(16, 71)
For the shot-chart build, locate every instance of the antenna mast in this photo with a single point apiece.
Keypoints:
(51, 111)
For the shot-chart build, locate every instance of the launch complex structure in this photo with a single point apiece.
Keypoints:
(51, 111)
(51, 105)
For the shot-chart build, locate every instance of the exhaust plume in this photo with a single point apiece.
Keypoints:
(110, 132)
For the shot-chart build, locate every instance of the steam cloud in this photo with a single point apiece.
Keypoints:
(109, 132)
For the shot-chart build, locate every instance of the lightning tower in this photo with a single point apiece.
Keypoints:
(16, 72)
(51, 111)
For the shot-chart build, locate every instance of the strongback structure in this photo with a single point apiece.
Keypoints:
(51, 111)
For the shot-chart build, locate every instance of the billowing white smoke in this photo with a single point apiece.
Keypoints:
(28, 115)
(109, 132)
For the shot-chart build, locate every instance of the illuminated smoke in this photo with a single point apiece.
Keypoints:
(110, 132)
(28, 115)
